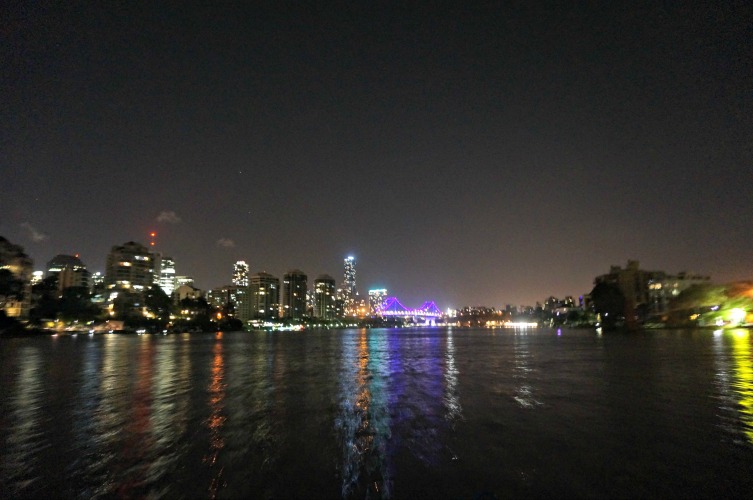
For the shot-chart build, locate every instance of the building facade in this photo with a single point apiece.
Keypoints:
(324, 297)
(130, 266)
(240, 273)
(265, 296)
(70, 271)
(237, 297)
(167, 275)
(376, 301)
(662, 291)
(348, 290)
(294, 286)
(633, 282)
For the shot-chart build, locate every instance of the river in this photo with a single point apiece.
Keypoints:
(402, 413)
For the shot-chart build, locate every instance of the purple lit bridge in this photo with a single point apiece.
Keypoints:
(428, 312)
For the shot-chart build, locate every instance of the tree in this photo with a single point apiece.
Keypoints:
(124, 306)
(609, 304)
(75, 304)
(157, 302)
(9, 285)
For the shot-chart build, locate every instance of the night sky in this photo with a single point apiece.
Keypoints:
(468, 155)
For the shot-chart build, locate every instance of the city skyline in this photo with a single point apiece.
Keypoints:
(469, 155)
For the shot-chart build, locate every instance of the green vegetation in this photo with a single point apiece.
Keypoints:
(712, 305)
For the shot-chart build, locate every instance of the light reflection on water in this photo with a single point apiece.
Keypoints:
(26, 437)
(452, 398)
(523, 374)
(743, 379)
(377, 414)
(216, 420)
(734, 381)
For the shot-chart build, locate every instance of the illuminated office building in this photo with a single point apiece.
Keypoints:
(167, 275)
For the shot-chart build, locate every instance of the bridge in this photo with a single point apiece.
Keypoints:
(392, 307)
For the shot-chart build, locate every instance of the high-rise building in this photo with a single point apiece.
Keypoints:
(60, 262)
(70, 277)
(37, 277)
(130, 265)
(97, 279)
(70, 271)
(97, 287)
(265, 296)
(376, 301)
(183, 280)
(167, 275)
(240, 273)
(294, 286)
(349, 284)
(235, 296)
(324, 297)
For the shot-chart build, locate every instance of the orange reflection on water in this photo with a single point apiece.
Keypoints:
(363, 400)
(743, 385)
(216, 419)
(363, 363)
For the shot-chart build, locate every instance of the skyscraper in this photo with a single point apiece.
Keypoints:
(240, 273)
(294, 285)
(69, 269)
(376, 301)
(349, 284)
(324, 297)
(167, 275)
(183, 280)
(60, 262)
(130, 265)
(265, 296)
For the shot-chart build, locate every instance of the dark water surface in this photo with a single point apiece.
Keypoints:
(428, 413)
